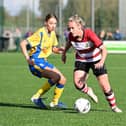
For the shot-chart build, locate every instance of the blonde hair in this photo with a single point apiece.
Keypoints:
(77, 19)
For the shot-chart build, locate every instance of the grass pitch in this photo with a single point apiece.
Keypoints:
(17, 85)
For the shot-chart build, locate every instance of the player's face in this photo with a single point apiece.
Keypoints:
(74, 28)
(51, 24)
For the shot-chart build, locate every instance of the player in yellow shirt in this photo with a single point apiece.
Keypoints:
(42, 43)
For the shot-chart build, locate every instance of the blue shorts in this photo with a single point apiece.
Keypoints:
(39, 65)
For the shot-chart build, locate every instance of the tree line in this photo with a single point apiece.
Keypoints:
(106, 13)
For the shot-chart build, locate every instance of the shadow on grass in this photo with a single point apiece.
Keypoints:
(66, 110)
(92, 110)
(18, 105)
(31, 106)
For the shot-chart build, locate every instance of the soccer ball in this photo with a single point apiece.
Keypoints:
(82, 105)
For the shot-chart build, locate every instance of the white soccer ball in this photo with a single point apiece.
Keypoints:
(82, 105)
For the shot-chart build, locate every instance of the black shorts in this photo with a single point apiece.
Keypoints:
(86, 67)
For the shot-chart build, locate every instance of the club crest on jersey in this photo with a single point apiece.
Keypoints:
(87, 44)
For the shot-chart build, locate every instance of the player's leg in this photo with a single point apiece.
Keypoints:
(103, 80)
(54, 76)
(105, 85)
(52, 79)
(80, 78)
(58, 90)
(44, 69)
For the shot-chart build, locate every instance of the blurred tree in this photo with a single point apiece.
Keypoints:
(80, 7)
(8, 19)
(106, 14)
(48, 6)
(21, 21)
(106, 11)
(1, 17)
(34, 21)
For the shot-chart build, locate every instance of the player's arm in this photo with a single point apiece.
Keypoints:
(23, 46)
(103, 53)
(103, 58)
(58, 50)
(99, 44)
(67, 46)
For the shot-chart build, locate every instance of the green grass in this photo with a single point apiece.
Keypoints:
(17, 85)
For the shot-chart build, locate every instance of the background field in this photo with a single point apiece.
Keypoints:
(17, 85)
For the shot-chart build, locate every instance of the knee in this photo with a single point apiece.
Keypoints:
(76, 84)
(56, 78)
(79, 85)
(62, 80)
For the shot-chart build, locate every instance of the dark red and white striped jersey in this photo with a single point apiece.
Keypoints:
(88, 49)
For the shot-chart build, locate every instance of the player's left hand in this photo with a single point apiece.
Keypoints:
(61, 50)
(58, 50)
(99, 65)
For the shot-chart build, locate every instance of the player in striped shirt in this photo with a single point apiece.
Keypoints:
(90, 54)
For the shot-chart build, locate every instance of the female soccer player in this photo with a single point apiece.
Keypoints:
(42, 43)
(90, 53)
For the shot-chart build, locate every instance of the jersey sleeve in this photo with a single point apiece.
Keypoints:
(34, 39)
(94, 38)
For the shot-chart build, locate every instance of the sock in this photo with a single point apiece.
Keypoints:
(57, 93)
(111, 99)
(84, 89)
(47, 85)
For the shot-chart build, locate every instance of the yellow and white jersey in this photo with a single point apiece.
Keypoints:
(41, 43)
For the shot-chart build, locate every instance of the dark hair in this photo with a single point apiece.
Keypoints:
(48, 16)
